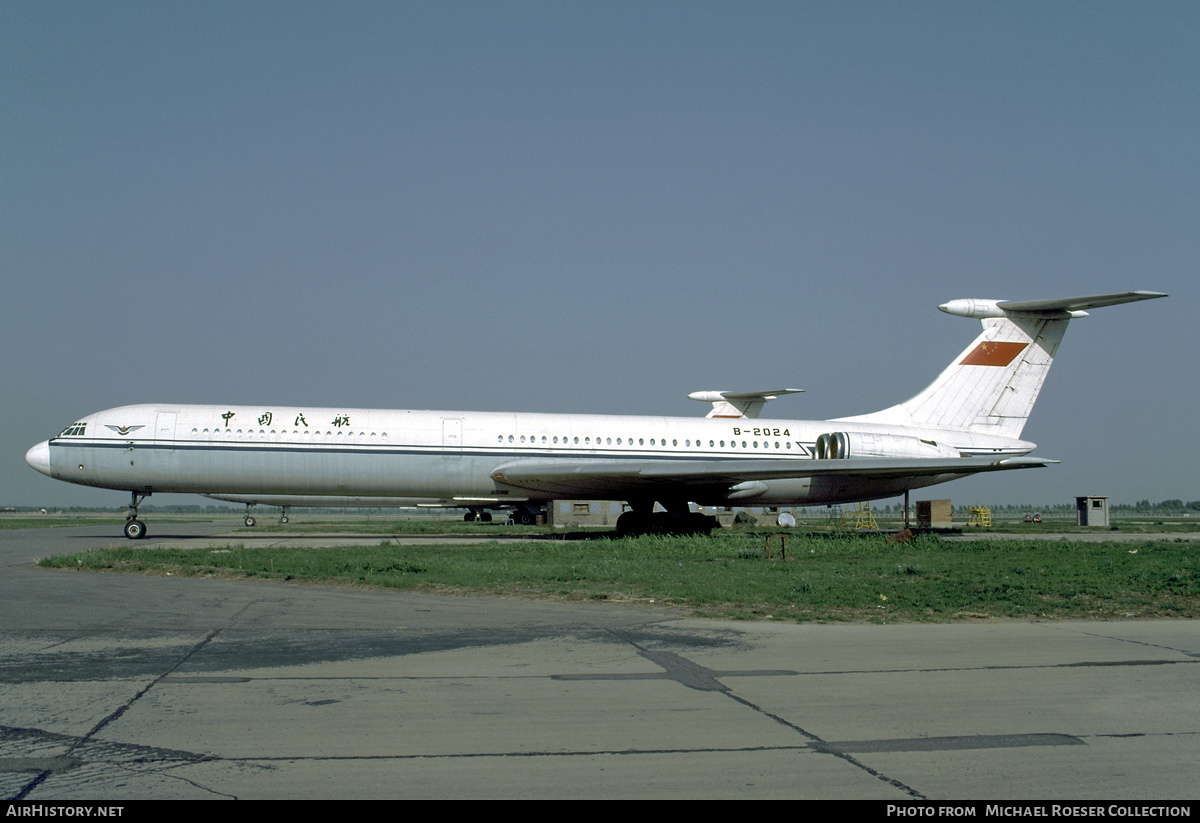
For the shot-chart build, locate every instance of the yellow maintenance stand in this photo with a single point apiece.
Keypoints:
(859, 518)
(980, 516)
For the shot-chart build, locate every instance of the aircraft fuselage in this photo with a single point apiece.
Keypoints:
(388, 453)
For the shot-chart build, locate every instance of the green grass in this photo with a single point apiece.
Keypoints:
(826, 579)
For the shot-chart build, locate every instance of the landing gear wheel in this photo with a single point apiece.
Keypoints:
(632, 524)
(698, 523)
(249, 520)
(662, 523)
(135, 529)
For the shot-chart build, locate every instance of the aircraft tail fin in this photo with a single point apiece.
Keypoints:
(991, 387)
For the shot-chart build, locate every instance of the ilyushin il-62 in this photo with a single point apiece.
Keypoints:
(968, 420)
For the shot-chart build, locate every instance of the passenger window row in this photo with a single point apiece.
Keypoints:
(596, 442)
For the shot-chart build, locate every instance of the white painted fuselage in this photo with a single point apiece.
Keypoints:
(457, 455)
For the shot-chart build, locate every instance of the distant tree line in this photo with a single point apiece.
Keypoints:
(1165, 506)
(1174, 506)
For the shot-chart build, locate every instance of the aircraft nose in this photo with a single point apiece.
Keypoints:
(39, 457)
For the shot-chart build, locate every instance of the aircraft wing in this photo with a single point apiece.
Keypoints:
(332, 501)
(585, 477)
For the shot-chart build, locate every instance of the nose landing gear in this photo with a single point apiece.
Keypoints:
(135, 529)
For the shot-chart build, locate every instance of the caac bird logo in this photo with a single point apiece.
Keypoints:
(124, 430)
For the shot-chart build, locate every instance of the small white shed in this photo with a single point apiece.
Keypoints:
(1092, 511)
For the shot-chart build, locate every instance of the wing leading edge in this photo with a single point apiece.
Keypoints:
(1076, 304)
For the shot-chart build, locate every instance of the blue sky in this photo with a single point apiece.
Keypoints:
(598, 207)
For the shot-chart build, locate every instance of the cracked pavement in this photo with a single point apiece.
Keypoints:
(131, 687)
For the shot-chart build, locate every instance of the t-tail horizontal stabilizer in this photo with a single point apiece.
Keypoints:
(738, 404)
(1069, 306)
(991, 387)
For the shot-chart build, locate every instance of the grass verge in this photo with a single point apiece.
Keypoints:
(825, 579)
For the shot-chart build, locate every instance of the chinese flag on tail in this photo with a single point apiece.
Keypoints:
(993, 354)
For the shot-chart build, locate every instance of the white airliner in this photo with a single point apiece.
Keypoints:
(968, 420)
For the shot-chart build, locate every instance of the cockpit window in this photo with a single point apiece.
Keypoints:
(74, 430)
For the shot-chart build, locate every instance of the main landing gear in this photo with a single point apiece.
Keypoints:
(676, 520)
(522, 516)
(250, 521)
(135, 529)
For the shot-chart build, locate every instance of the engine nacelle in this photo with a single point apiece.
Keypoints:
(840, 445)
